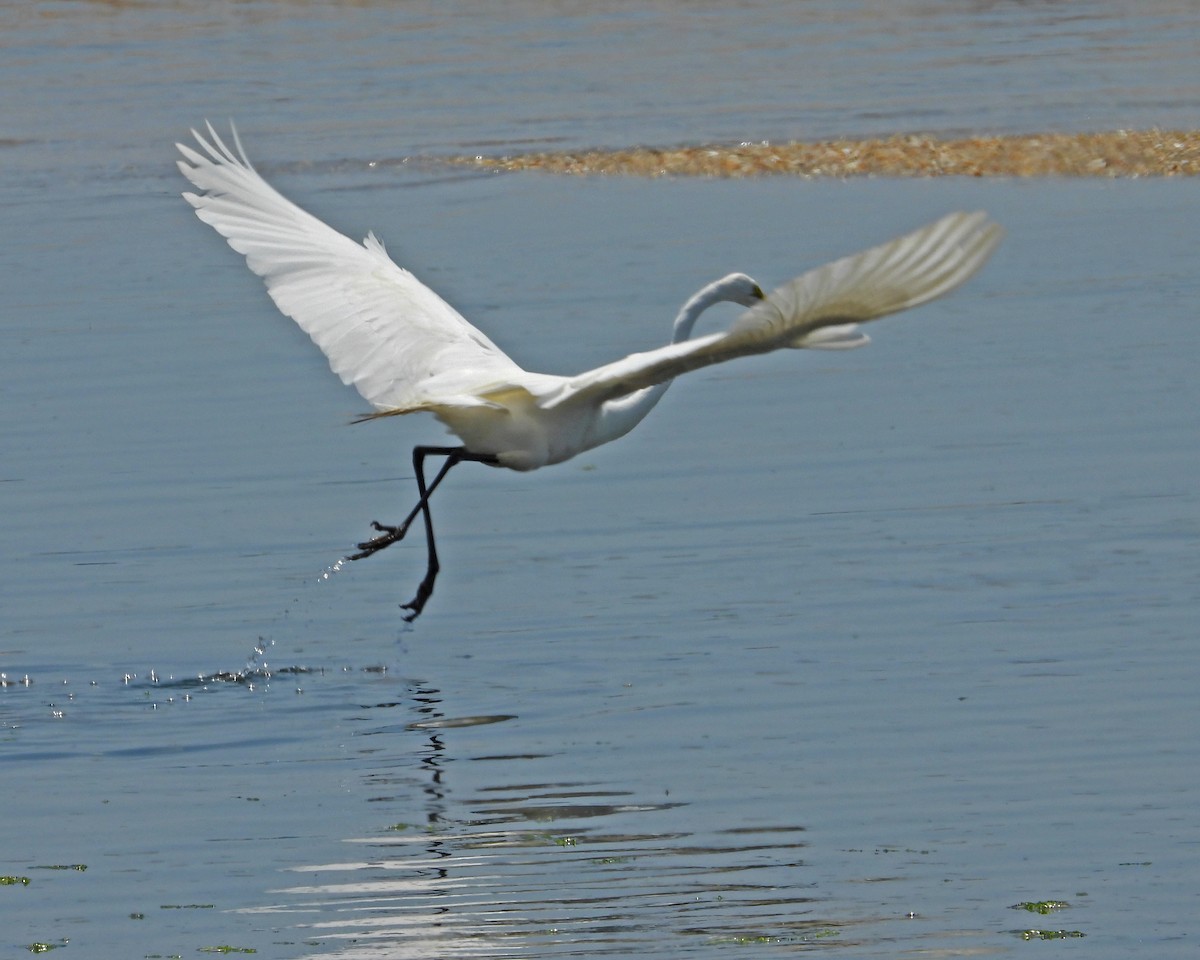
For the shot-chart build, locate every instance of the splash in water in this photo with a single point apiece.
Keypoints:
(329, 571)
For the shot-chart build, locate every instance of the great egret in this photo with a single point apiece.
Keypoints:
(407, 351)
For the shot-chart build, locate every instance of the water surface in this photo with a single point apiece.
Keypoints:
(837, 652)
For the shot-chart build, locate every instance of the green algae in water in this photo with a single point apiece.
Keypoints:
(1052, 934)
(1041, 906)
(9, 881)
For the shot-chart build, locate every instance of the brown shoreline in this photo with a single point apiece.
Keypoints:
(1118, 153)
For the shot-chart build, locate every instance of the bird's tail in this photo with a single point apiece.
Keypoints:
(380, 414)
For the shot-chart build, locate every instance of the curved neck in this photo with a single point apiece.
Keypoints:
(625, 413)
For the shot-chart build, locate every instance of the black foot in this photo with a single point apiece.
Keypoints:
(387, 536)
(424, 592)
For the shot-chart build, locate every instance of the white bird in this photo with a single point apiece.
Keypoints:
(407, 351)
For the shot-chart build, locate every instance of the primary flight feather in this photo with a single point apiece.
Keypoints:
(406, 350)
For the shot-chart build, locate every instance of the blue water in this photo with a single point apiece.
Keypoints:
(837, 652)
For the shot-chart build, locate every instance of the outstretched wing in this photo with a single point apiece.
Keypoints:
(383, 330)
(819, 309)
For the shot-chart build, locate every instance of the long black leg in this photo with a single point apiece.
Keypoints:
(389, 535)
(425, 587)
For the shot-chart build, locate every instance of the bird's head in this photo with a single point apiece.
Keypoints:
(734, 288)
(739, 288)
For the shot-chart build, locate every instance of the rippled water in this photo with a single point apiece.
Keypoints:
(837, 652)
(109, 84)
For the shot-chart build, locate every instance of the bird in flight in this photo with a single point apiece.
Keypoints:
(408, 351)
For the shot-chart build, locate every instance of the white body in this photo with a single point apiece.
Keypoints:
(406, 350)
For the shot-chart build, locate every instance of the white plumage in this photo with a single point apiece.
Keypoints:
(406, 350)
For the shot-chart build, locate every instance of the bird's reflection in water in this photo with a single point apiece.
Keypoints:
(519, 845)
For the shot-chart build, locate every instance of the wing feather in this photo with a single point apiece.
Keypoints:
(383, 331)
(821, 308)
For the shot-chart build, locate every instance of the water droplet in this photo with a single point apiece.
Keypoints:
(332, 569)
